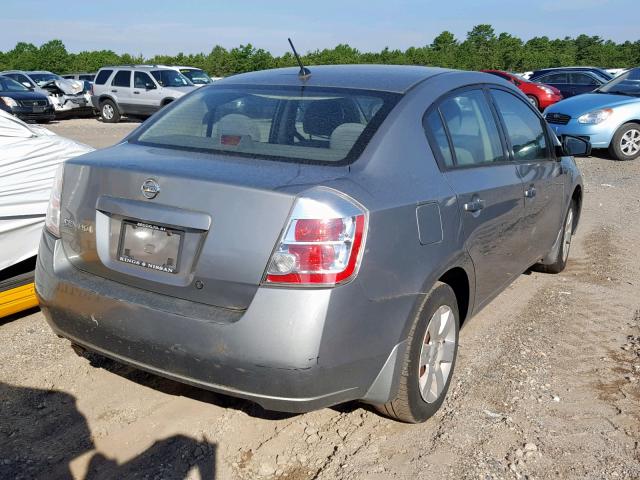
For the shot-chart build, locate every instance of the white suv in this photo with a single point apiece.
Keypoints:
(136, 90)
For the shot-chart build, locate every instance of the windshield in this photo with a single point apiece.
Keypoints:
(296, 123)
(627, 83)
(44, 78)
(171, 78)
(198, 77)
(10, 85)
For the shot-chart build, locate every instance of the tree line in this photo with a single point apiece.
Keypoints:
(482, 48)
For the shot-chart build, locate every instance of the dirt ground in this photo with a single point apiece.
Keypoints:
(547, 386)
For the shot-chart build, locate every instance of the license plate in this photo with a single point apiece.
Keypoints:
(150, 246)
(38, 109)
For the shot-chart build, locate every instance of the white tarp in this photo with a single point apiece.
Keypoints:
(29, 158)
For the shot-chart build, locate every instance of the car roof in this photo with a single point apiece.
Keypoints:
(550, 69)
(137, 67)
(389, 78)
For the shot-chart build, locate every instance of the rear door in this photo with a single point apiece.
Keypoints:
(542, 176)
(489, 190)
(121, 90)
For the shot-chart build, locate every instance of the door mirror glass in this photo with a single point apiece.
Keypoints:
(575, 146)
(150, 86)
(28, 85)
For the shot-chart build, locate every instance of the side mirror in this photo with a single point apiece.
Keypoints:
(574, 146)
(28, 85)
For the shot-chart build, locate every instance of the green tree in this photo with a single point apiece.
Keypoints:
(53, 56)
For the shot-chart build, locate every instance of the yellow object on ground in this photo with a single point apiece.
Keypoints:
(17, 299)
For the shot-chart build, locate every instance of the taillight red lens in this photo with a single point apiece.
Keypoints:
(308, 230)
(328, 252)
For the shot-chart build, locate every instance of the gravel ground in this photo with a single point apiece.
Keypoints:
(547, 385)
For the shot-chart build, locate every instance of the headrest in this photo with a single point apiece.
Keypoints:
(235, 124)
(345, 136)
(321, 117)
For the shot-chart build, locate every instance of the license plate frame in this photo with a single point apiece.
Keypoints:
(137, 258)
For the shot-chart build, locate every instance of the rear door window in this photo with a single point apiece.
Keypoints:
(122, 79)
(103, 76)
(556, 78)
(434, 128)
(583, 79)
(524, 128)
(472, 129)
(296, 123)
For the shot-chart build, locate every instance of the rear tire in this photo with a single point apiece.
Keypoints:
(562, 256)
(109, 112)
(534, 101)
(429, 359)
(625, 144)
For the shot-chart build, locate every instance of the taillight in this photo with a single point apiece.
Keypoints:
(52, 218)
(322, 243)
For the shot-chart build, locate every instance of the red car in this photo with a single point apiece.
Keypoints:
(538, 94)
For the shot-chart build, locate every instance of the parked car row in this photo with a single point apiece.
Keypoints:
(72, 94)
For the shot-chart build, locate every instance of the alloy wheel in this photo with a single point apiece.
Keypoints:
(437, 354)
(630, 142)
(107, 111)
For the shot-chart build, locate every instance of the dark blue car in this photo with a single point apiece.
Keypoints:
(24, 103)
(572, 80)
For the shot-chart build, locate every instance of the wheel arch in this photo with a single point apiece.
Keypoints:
(622, 124)
(102, 98)
(166, 101)
(458, 279)
(576, 197)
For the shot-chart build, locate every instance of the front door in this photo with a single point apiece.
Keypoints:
(541, 174)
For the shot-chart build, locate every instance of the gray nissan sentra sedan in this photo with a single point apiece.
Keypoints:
(306, 241)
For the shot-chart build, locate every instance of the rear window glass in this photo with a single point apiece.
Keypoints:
(102, 76)
(283, 123)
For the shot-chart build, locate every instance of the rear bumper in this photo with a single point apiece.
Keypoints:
(291, 350)
(545, 101)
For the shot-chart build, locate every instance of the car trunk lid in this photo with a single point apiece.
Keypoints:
(206, 235)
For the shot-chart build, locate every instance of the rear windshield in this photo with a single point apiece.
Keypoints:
(305, 124)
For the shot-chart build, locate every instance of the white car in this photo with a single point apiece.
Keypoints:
(28, 164)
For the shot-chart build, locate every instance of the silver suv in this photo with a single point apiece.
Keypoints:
(136, 90)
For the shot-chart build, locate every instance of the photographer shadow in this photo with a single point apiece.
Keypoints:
(42, 432)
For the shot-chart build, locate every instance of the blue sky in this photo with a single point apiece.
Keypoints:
(160, 26)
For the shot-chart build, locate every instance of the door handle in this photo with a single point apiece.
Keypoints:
(136, 92)
(114, 91)
(530, 192)
(474, 205)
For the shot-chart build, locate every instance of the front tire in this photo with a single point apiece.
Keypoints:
(625, 144)
(109, 112)
(534, 101)
(429, 359)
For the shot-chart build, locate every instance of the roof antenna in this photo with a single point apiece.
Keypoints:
(304, 72)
